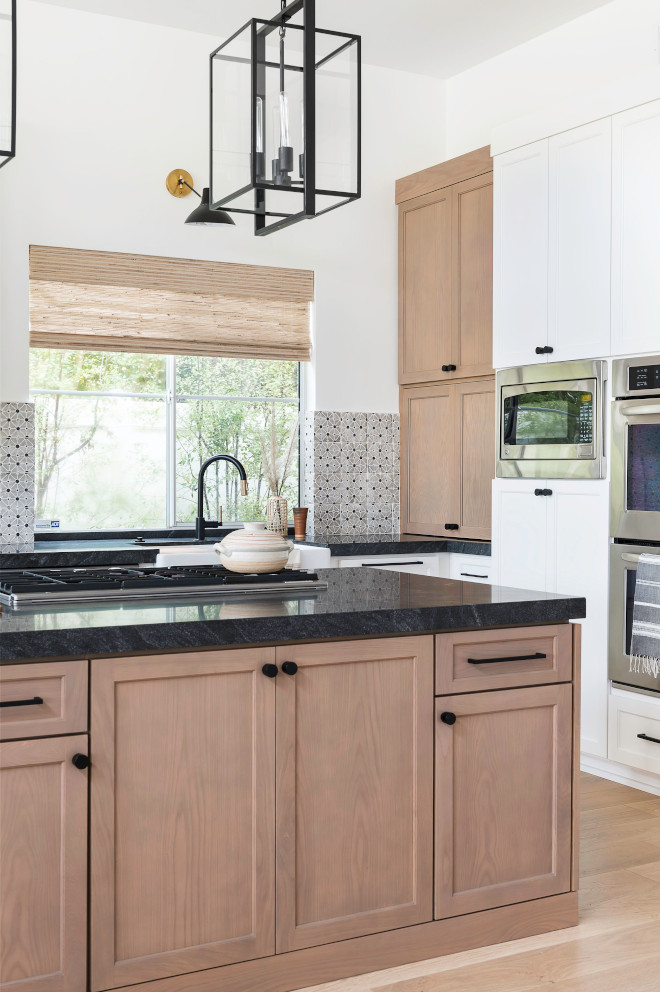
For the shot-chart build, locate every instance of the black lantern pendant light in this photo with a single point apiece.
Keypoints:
(285, 119)
(7, 80)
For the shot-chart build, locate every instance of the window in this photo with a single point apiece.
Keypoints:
(120, 437)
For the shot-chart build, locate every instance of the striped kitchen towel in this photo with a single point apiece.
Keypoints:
(645, 644)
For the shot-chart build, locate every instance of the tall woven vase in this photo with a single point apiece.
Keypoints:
(277, 515)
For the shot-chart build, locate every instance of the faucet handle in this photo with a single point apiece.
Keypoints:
(244, 487)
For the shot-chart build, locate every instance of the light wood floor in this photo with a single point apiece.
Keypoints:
(615, 948)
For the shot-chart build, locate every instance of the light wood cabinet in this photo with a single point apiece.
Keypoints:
(43, 865)
(446, 276)
(354, 789)
(447, 458)
(503, 798)
(182, 814)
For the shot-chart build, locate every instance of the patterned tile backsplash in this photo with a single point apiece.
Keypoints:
(351, 472)
(16, 477)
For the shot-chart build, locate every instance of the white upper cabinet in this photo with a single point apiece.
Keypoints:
(580, 234)
(520, 255)
(636, 231)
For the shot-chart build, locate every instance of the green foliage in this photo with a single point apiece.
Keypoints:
(101, 461)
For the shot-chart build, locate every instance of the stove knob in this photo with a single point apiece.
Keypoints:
(270, 671)
(80, 761)
(289, 668)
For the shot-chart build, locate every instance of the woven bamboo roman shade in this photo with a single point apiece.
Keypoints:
(104, 301)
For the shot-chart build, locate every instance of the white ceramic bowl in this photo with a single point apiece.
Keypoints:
(254, 550)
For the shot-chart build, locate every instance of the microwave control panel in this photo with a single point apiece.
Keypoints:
(586, 422)
(644, 377)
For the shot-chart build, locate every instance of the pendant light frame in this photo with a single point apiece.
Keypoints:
(6, 154)
(267, 220)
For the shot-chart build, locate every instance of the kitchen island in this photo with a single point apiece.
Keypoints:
(285, 790)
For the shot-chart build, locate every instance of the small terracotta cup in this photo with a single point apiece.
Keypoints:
(300, 522)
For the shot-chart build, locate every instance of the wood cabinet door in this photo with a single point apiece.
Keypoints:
(354, 789)
(520, 260)
(425, 286)
(635, 230)
(475, 444)
(503, 798)
(182, 814)
(472, 282)
(430, 484)
(43, 866)
(580, 242)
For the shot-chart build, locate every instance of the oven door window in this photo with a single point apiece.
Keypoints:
(643, 467)
(549, 417)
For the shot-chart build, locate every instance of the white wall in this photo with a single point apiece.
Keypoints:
(601, 49)
(107, 107)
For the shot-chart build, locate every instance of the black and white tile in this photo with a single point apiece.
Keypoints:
(351, 472)
(16, 477)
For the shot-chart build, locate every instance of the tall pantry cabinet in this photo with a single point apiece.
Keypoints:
(447, 392)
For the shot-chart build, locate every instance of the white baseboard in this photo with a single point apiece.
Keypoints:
(623, 774)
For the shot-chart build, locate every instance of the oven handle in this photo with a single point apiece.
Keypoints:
(643, 410)
(632, 558)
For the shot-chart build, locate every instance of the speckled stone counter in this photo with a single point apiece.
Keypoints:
(363, 545)
(356, 603)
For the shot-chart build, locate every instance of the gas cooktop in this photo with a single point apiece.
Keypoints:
(29, 587)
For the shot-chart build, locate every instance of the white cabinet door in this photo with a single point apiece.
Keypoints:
(578, 550)
(520, 278)
(636, 230)
(415, 564)
(579, 240)
(520, 546)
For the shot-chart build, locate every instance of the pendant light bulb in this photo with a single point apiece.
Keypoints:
(284, 120)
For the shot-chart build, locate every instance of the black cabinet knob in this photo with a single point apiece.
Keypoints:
(448, 368)
(270, 671)
(545, 350)
(445, 368)
(543, 492)
(80, 761)
(538, 492)
(289, 668)
(547, 492)
(540, 351)
(451, 526)
(448, 718)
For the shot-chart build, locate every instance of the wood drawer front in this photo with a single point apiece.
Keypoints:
(629, 716)
(63, 688)
(454, 671)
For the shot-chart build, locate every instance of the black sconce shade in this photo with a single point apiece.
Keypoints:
(202, 214)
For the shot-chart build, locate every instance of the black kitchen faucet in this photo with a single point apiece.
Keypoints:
(201, 524)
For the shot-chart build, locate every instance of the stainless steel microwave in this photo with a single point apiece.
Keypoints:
(550, 421)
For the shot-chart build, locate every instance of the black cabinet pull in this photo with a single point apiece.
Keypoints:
(448, 718)
(270, 671)
(451, 526)
(289, 668)
(473, 575)
(517, 657)
(545, 350)
(80, 761)
(645, 737)
(384, 564)
(35, 701)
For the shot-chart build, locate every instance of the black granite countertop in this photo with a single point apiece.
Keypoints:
(346, 545)
(356, 603)
(118, 551)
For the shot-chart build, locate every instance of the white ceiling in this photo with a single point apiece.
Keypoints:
(432, 37)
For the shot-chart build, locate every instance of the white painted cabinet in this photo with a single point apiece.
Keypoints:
(552, 248)
(636, 230)
(559, 543)
(520, 255)
(415, 564)
(579, 242)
